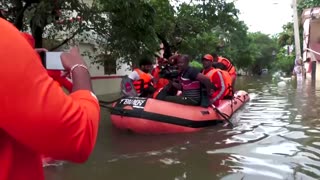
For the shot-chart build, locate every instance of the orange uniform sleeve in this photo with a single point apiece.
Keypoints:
(218, 81)
(35, 111)
(63, 81)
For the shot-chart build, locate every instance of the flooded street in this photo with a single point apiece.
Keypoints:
(277, 137)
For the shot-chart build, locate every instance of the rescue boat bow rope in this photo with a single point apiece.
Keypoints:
(224, 116)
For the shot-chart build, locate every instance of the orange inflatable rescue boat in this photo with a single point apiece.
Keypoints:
(152, 116)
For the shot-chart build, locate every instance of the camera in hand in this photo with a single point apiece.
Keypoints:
(169, 72)
(51, 60)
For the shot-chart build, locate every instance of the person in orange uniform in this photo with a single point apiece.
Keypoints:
(57, 75)
(228, 66)
(221, 80)
(37, 117)
(142, 79)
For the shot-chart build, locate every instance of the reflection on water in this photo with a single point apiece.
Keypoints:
(277, 137)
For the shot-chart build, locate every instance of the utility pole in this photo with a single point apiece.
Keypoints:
(296, 28)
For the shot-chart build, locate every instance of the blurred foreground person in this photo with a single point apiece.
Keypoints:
(56, 75)
(37, 117)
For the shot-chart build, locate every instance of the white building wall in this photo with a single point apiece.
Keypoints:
(95, 68)
(103, 84)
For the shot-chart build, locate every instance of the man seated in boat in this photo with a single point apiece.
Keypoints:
(189, 82)
(227, 66)
(221, 80)
(142, 79)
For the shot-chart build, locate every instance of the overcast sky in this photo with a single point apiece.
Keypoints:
(267, 16)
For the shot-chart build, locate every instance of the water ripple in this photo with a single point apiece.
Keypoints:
(277, 137)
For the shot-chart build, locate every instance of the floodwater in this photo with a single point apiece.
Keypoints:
(277, 137)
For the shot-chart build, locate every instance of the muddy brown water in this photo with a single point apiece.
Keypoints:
(277, 137)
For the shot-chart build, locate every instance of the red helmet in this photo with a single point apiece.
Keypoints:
(208, 57)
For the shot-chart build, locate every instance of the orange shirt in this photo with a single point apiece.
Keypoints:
(37, 117)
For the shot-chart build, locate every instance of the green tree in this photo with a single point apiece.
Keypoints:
(127, 30)
(284, 62)
(304, 4)
(263, 48)
(210, 26)
(56, 19)
(286, 37)
(131, 31)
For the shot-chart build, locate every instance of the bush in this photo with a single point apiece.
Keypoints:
(196, 64)
(284, 62)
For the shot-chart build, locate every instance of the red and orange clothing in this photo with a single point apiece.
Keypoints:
(37, 117)
(54, 74)
(222, 81)
(160, 82)
(139, 77)
(63, 81)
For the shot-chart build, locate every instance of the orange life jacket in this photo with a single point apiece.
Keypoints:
(161, 82)
(143, 82)
(230, 68)
(226, 82)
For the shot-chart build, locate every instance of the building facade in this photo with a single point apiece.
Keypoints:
(311, 42)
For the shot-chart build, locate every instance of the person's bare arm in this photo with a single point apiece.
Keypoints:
(206, 81)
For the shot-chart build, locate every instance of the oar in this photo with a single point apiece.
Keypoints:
(222, 115)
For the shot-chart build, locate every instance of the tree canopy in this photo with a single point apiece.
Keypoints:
(128, 30)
